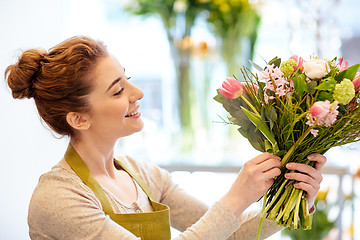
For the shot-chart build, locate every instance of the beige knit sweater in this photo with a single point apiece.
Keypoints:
(63, 207)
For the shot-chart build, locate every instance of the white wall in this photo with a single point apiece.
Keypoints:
(27, 149)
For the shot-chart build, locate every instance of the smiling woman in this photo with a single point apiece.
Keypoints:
(81, 91)
(114, 104)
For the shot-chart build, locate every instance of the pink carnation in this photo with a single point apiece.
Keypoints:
(322, 113)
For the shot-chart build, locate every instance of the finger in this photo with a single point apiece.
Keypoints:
(305, 169)
(300, 177)
(269, 164)
(263, 157)
(320, 160)
(269, 183)
(309, 189)
(271, 174)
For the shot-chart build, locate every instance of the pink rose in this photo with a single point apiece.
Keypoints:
(299, 60)
(232, 88)
(356, 81)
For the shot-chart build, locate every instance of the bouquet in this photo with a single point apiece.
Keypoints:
(292, 109)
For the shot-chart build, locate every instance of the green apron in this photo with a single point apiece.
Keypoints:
(148, 226)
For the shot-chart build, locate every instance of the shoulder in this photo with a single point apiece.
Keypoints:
(59, 179)
(63, 207)
(60, 183)
(57, 192)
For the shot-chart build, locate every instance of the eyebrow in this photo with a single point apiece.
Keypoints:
(113, 83)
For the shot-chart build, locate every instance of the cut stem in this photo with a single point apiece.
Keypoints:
(261, 217)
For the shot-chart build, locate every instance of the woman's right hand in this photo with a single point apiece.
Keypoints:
(253, 180)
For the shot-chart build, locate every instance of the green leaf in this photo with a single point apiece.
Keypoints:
(327, 84)
(256, 120)
(268, 146)
(276, 61)
(348, 73)
(300, 83)
(323, 95)
(254, 138)
(238, 117)
(218, 97)
(312, 85)
(257, 67)
(280, 153)
(270, 115)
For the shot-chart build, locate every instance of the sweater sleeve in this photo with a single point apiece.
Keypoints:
(194, 219)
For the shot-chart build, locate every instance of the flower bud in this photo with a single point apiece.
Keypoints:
(231, 88)
(299, 62)
(356, 81)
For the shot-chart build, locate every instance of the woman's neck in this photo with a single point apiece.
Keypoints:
(98, 156)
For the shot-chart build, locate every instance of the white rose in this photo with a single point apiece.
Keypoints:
(316, 69)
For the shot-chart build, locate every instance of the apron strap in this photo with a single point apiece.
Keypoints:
(80, 168)
(138, 179)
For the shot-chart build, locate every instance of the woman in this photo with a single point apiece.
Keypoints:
(82, 91)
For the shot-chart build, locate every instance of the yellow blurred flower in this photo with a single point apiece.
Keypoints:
(219, 2)
(203, 1)
(225, 7)
(201, 49)
(321, 196)
(185, 44)
(235, 3)
(180, 5)
(350, 230)
(357, 174)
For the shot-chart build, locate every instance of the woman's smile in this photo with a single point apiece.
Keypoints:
(134, 114)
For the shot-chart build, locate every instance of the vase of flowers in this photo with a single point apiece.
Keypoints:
(235, 24)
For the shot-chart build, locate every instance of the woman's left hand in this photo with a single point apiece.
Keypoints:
(309, 178)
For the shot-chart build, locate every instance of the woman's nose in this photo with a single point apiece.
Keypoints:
(136, 93)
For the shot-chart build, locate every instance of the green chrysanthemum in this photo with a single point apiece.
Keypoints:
(344, 92)
(287, 67)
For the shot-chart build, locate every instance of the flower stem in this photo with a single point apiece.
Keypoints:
(275, 198)
(261, 217)
(297, 208)
(290, 203)
(250, 105)
(296, 144)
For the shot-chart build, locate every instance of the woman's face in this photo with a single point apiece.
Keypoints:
(114, 111)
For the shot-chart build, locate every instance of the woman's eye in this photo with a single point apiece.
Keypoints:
(128, 78)
(119, 92)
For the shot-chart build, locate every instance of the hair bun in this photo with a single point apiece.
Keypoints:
(22, 75)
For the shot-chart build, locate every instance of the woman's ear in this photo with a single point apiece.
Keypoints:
(77, 121)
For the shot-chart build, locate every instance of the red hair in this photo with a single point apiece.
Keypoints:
(59, 80)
